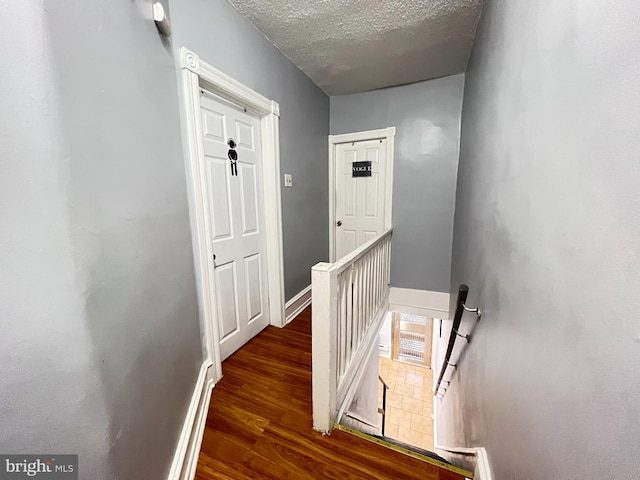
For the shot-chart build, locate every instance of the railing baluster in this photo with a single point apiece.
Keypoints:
(363, 301)
(365, 297)
(356, 306)
(342, 330)
(378, 276)
(347, 298)
(387, 263)
(363, 312)
(369, 292)
(347, 322)
(378, 273)
(377, 290)
(349, 340)
(373, 285)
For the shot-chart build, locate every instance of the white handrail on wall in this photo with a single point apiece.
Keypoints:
(349, 300)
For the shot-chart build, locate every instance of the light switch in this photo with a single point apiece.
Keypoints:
(288, 180)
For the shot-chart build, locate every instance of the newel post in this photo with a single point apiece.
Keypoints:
(324, 298)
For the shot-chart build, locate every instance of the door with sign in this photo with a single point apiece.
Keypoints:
(362, 193)
(232, 151)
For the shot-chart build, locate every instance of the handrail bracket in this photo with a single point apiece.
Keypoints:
(463, 291)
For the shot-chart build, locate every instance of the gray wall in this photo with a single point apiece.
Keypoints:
(100, 342)
(225, 39)
(427, 120)
(547, 236)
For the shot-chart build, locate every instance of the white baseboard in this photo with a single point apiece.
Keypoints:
(483, 469)
(419, 302)
(297, 304)
(185, 458)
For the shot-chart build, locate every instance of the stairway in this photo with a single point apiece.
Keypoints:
(259, 424)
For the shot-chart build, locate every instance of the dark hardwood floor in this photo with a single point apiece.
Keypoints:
(259, 423)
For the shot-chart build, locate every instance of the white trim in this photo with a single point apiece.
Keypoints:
(360, 419)
(389, 180)
(297, 304)
(350, 383)
(483, 468)
(227, 87)
(419, 302)
(362, 136)
(435, 338)
(435, 410)
(388, 133)
(185, 458)
(198, 74)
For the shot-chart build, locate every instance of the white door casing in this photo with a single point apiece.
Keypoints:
(236, 208)
(360, 207)
(196, 75)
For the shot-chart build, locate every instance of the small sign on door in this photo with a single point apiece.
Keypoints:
(361, 169)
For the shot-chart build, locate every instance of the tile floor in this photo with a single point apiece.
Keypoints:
(409, 402)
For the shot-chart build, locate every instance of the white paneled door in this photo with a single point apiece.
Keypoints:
(359, 201)
(233, 175)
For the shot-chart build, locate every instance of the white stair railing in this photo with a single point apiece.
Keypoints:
(349, 301)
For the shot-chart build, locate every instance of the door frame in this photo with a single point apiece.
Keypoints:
(334, 140)
(195, 75)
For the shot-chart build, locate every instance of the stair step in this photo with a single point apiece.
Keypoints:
(413, 448)
(409, 450)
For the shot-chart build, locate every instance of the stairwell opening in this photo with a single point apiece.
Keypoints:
(393, 403)
(401, 366)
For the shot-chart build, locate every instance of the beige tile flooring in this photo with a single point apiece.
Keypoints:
(409, 402)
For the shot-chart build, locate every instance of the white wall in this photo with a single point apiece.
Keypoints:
(547, 236)
(385, 336)
(365, 401)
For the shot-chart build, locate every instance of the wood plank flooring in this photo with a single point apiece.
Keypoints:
(259, 423)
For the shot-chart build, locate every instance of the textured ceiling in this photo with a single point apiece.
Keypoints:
(348, 46)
